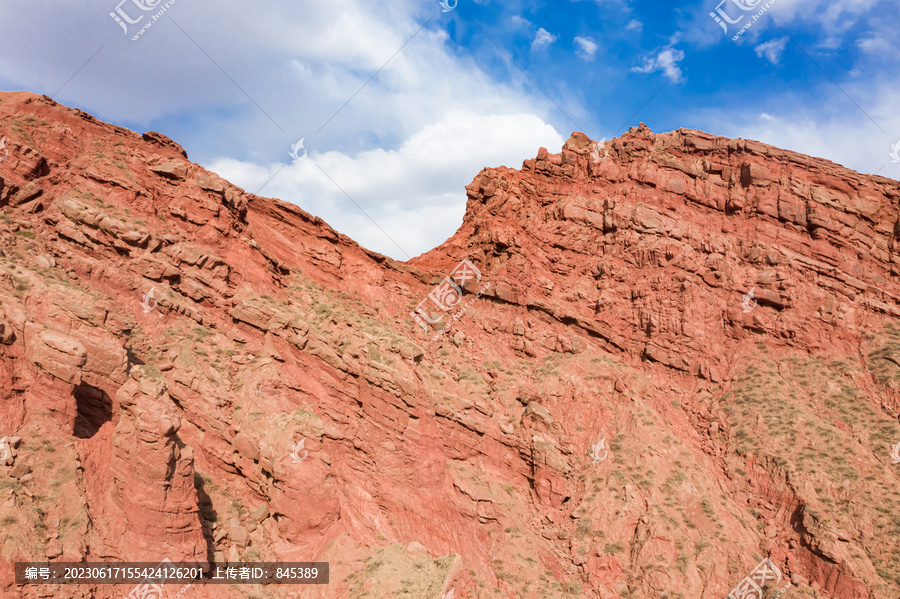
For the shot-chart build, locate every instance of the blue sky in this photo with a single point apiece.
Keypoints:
(435, 96)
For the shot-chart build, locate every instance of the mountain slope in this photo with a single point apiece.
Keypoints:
(675, 355)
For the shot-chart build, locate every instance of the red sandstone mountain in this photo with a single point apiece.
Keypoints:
(616, 415)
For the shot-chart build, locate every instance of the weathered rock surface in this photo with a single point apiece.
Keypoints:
(148, 493)
(195, 372)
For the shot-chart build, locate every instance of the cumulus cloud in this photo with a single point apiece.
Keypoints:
(415, 193)
(772, 50)
(587, 48)
(542, 39)
(665, 61)
(634, 25)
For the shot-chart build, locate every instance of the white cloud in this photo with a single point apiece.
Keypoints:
(832, 128)
(299, 65)
(826, 24)
(634, 25)
(772, 50)
(876, 45)
(665, 61)
(520, 21)
(415, 193)
(542, 39)
(586, 48)
(834, 16)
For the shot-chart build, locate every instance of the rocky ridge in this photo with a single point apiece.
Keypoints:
(172, 346)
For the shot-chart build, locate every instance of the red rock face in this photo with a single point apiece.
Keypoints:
(678, 356)
(149, 487)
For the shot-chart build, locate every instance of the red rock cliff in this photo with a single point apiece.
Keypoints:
(683, 359)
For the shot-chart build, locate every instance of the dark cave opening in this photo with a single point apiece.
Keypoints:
(94, 409)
